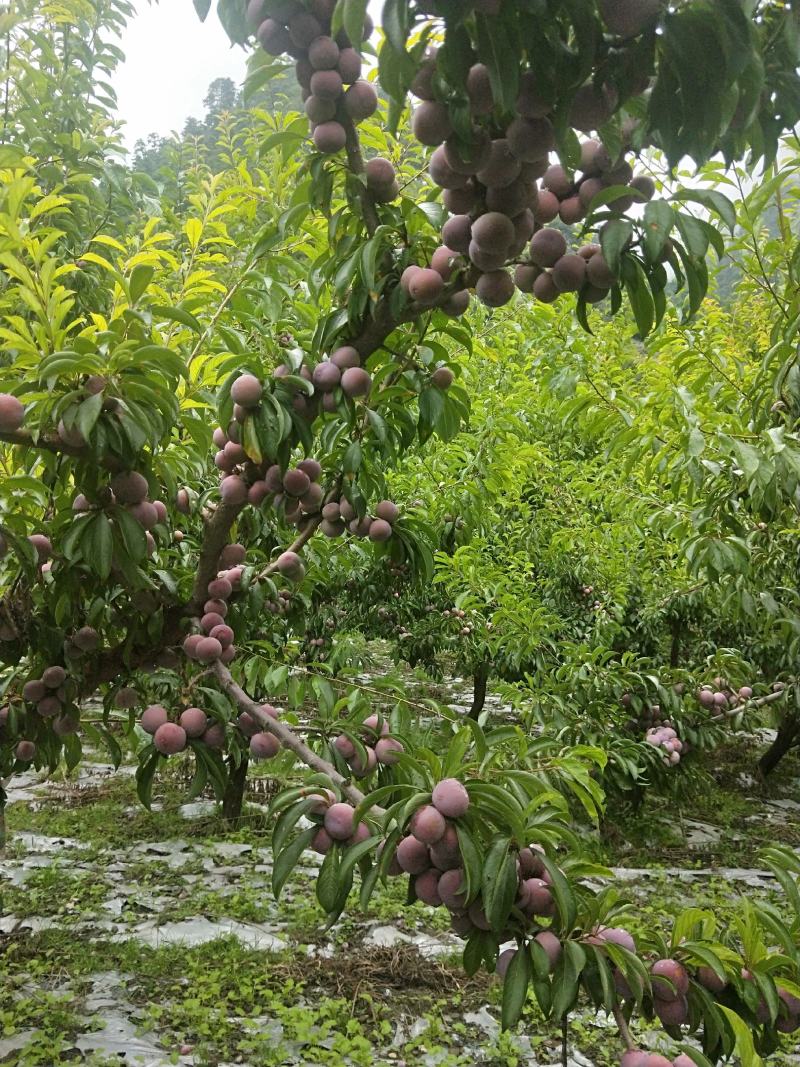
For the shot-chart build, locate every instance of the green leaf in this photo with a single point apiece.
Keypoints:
(614, 238)
(141, 276)
(659, 219)
(178, 315)
(714, 201)
(97, 544)
(354, 14)
(144, 776)
(515, 989)
(286, 861)
(202, 7)
(88, 414)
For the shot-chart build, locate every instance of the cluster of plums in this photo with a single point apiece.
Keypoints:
(666, 739)
(722, 698)
(498, 209)
(328, 69)
(339, 374)
(378, 745)
(50, 696)
(215, 642)
(262, 744)
(170, 738)
(338, 515)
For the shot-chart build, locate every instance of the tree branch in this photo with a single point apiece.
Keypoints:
(624, 1029)
(288, 738)
(215, 538)
(46, 444)
(302, 538)
(355, 163)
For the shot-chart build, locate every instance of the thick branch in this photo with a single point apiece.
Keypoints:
(288, 738)
(216, 536)
(355, 162)
(302, 538)
(46, 444)
(754, 702)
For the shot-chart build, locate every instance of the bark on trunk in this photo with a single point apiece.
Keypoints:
(234, 792)
(675, 648)
(479, 682)
(787, 737)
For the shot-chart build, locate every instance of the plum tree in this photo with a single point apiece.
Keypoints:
(364, 316)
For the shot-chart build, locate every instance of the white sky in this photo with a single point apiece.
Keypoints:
(171, 59)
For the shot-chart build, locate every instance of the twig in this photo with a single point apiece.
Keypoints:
(624, 1029)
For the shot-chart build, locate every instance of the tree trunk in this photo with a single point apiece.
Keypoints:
(234, 792)
(788, 735)
(675, 648)
(2, 821)
(479, 680)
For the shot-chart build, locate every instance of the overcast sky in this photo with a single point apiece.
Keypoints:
(171, 58)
